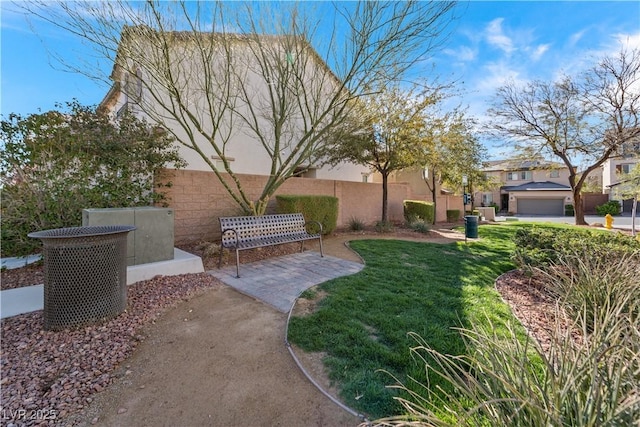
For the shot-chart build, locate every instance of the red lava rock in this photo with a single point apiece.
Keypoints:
(59, 371)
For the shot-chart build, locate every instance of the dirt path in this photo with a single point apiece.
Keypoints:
(220, 359)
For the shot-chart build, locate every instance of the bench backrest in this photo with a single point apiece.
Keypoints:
(250, 227)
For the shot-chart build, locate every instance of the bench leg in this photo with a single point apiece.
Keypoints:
(321, 251)
(237, 263)
(220, 260)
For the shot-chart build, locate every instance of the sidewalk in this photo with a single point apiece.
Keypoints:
(276, 281)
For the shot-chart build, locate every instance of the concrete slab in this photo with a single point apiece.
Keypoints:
(31, 298)
(279, 281)
(182, 263)
(21, 300)
(19, 262)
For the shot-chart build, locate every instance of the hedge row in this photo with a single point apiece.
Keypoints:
(417, 208)
(323, 209)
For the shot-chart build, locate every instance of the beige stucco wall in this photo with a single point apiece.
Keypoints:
(537, 175)
(609, 175)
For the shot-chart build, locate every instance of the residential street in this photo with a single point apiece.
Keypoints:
(622, 221)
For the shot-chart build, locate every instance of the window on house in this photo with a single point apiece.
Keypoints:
(519, 176)
(555, 173)
(624, 168)
(305, 172)
(487, 199)
(219, 164)
(365, 177)
(122, 110)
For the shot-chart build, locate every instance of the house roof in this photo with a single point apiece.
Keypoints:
(520, 164)
(635, 180)
(137, 31)
(537, 186)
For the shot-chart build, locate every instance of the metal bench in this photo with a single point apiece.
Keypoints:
(249, 232)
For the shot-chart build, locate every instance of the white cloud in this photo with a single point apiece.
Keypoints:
(462, 53)
(497, 74)
(630, 41)
(539, 51)
(496, 37)
(576, 37)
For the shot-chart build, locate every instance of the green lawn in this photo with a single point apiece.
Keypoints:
(430, 289)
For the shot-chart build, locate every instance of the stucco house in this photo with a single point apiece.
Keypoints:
(616, 167)
(138, 90)
(527, 187)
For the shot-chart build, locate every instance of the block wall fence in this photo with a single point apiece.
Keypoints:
(198, 199)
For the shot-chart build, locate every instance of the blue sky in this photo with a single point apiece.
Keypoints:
(492, 42)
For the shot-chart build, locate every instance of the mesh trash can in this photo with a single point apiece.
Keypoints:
(471, 226)
(85, 274)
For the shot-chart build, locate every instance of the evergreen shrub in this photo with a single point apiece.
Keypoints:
(323, 209)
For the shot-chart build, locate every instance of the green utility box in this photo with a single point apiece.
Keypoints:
(153, 238)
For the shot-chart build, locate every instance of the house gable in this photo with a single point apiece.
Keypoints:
(239, 142)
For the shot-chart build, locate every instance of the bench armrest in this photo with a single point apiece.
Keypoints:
(314, 222)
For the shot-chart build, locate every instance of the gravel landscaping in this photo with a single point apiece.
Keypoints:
(48, 375)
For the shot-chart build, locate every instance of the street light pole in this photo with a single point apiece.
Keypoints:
(465, 199)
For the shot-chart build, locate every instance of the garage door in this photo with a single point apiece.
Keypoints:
(541, 207)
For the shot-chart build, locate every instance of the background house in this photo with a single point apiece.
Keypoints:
(614, 169)
(527, 187)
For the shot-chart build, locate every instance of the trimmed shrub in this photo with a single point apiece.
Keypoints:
(453, 215)
(612, 207)
(323, 209)
(538, 247)
(420, 209)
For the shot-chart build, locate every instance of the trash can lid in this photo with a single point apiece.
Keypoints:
(86, 231)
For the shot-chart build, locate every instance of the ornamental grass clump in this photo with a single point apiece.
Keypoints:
(590, 285)
(418, 224)
(586, 377)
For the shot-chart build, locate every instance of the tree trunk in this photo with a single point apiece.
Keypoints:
(578, 208)
(385, 180)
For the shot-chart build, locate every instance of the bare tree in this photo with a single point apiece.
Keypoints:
(282, 74)
(582, 120)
